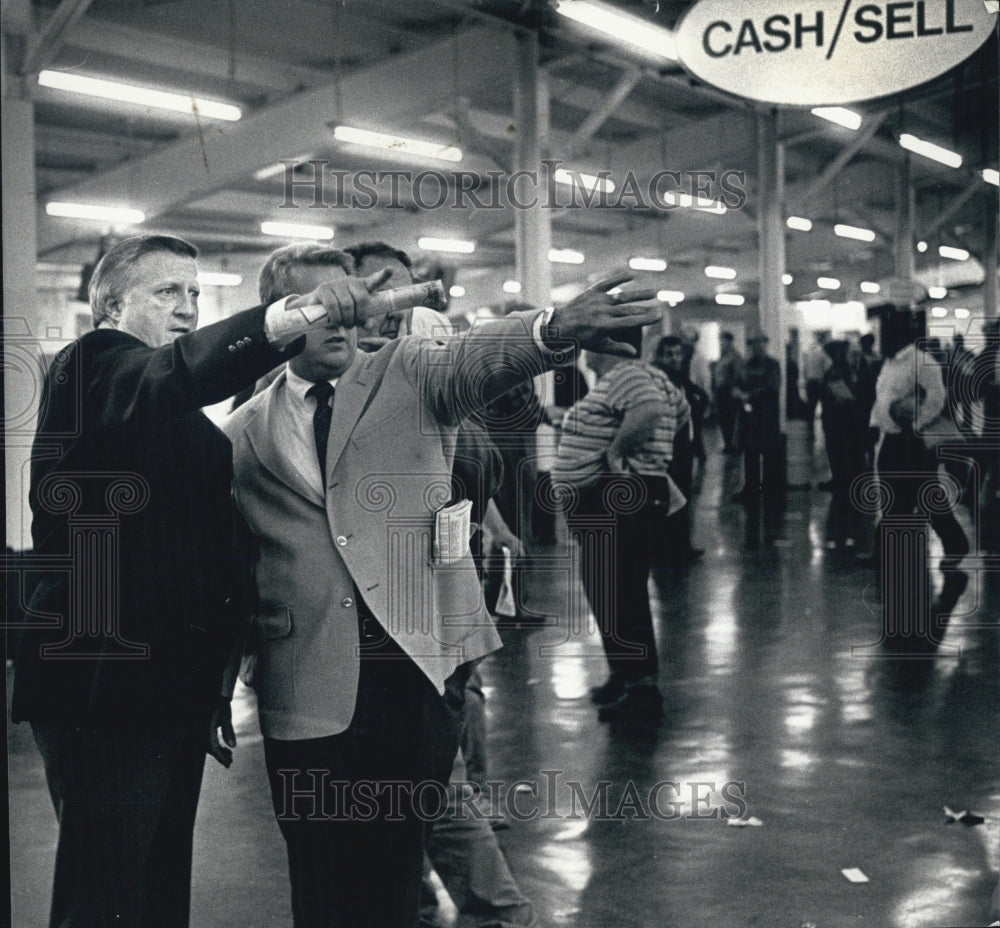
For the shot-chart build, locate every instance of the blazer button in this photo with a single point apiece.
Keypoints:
(341, 540)
(348, 602)
(232, 349)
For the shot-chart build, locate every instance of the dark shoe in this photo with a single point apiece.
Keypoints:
(610, 691)
(641, 703)
(694, 553)
(865, 559)
(826, 485)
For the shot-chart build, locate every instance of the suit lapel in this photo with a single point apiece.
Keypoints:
(287, 467)
(349, 400)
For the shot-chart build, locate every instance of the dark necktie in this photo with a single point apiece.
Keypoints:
(321, 392)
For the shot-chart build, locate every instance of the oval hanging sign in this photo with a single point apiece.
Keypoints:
(827, 52)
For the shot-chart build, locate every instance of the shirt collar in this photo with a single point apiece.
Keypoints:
(299, 385)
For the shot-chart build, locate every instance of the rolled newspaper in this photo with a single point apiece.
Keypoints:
(291, 323)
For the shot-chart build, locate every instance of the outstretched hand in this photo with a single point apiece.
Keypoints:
(593, 318)
(346, 300)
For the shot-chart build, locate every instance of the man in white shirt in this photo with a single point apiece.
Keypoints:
(909, 395)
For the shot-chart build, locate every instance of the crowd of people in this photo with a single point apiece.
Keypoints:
(324, 547)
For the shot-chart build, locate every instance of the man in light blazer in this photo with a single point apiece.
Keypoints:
(363, 635)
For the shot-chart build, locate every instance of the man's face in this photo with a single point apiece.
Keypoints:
(329, 349)
(671, 358)
(758, 348)
(159, 300)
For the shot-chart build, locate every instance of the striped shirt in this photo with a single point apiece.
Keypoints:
(590, 426)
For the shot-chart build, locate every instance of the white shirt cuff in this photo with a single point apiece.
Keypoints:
(282, 325)
(558, 358)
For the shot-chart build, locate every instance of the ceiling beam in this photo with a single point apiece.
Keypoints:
(600, 114)
(45, 44)
(381, 97)
(974, 186)
(830, 172)
(137, 46)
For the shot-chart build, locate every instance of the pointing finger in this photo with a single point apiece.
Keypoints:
(373, 281)
(634, 296)
(609, 283)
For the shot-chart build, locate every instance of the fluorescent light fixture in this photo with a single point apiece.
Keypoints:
(704, 204)
(670, 296)
(565, 256)
(937, 293)
(588, 182)
(930, 150)
(991, 176)
(142, 96)
(961, 313)
(647, 264)
(956, 254)
(921, 247)
(939, 312)
(855, 232)
(272, 169)
(123, 214)
(869, 286)
(456, 291)
(730, 299)
(786, 279)
(296, 230)
(840, 115)
(397, 143)
(828, 283)
(458, 245)
(219, 279)
(619, 25)
(720, 273)
(799, 223)
(512, 286)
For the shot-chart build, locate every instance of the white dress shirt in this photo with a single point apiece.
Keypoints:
(899, 379)
(294, 426)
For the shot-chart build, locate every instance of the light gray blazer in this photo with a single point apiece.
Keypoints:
(389, 461)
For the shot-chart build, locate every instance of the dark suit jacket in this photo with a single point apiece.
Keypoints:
(130, 496)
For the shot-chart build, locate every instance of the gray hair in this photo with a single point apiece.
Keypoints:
(112, 271)
(275, 276)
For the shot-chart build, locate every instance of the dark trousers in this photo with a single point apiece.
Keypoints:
(351, 807)
(126, 802)
(910, 475)
(728, 409)
(612, 523)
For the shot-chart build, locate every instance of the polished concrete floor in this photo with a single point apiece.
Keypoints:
(776, 715)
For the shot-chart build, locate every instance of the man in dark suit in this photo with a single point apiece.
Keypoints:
(119, 666)
(364, 631)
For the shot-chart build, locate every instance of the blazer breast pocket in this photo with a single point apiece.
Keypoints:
(273, 658)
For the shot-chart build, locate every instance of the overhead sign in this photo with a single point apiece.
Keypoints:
(828, 52)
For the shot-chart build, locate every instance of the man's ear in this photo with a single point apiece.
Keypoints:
(112, 311)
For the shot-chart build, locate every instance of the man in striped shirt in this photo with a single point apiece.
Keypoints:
(614, 451)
